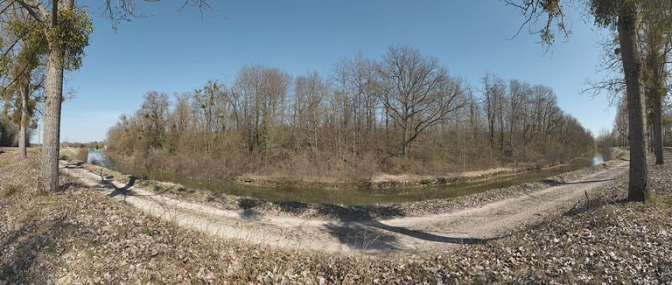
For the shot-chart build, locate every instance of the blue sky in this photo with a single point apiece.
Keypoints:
(176, 51)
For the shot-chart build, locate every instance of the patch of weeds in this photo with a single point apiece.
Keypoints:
(654, 200)
(89, 253)
(509, 242)
(147, 231)
(8, 189)
(51, 248)
(121, 230)
(41, 193)
(660, 208)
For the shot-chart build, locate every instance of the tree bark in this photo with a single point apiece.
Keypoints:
(23, 128)
(632, 67)
(658, 129)
(52, 117)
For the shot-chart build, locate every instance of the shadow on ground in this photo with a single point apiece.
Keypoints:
(251, 206)
(375, 235)
(364, 238)
(123, 190)
(27, 243)
(553, 182)
(341, 213)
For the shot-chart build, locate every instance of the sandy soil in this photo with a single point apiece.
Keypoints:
(399, 235)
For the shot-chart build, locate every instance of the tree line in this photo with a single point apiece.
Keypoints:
(402, 113)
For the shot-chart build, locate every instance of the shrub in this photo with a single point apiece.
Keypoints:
(82, 154)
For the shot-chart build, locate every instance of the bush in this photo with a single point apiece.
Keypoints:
(82, 154)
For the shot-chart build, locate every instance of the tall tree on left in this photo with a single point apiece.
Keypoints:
(23, 76)
(66, 29)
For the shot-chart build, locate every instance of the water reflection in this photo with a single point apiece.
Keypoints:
(97, 157)
(598, 159)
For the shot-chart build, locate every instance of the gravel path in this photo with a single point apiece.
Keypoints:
(398, 235)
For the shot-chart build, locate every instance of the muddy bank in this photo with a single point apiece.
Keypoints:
(388, 181)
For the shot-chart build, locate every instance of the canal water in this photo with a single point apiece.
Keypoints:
(346, 197)
(97, 157)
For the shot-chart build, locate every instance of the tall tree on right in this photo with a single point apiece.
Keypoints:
(623, 16)
(656, 47)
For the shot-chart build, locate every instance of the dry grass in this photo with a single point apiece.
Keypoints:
(82, 154)
(8, 189)
(66, 152)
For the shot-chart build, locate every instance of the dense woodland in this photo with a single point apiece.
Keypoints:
(402, 113)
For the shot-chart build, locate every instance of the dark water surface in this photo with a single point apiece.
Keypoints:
(346, 197)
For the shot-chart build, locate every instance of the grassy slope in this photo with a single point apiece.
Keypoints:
(79, 236)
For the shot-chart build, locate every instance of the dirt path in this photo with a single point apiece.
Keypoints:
(406, 234)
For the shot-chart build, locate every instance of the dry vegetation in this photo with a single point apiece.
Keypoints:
(79, 236)
(402, 114)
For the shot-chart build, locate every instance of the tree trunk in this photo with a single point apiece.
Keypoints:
(404, 140)
(501, 132)
(52, 118)
(632, 67)
(650, 138)
(23, 128)
(658, 129)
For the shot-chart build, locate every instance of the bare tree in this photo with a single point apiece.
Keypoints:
(309, 94)
(417, 91)
(494, 92)
(154, 111)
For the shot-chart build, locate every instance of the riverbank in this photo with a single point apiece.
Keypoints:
(347, 213)
(396, 181)
(79, 236)
(385, 180)
(356, 178)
